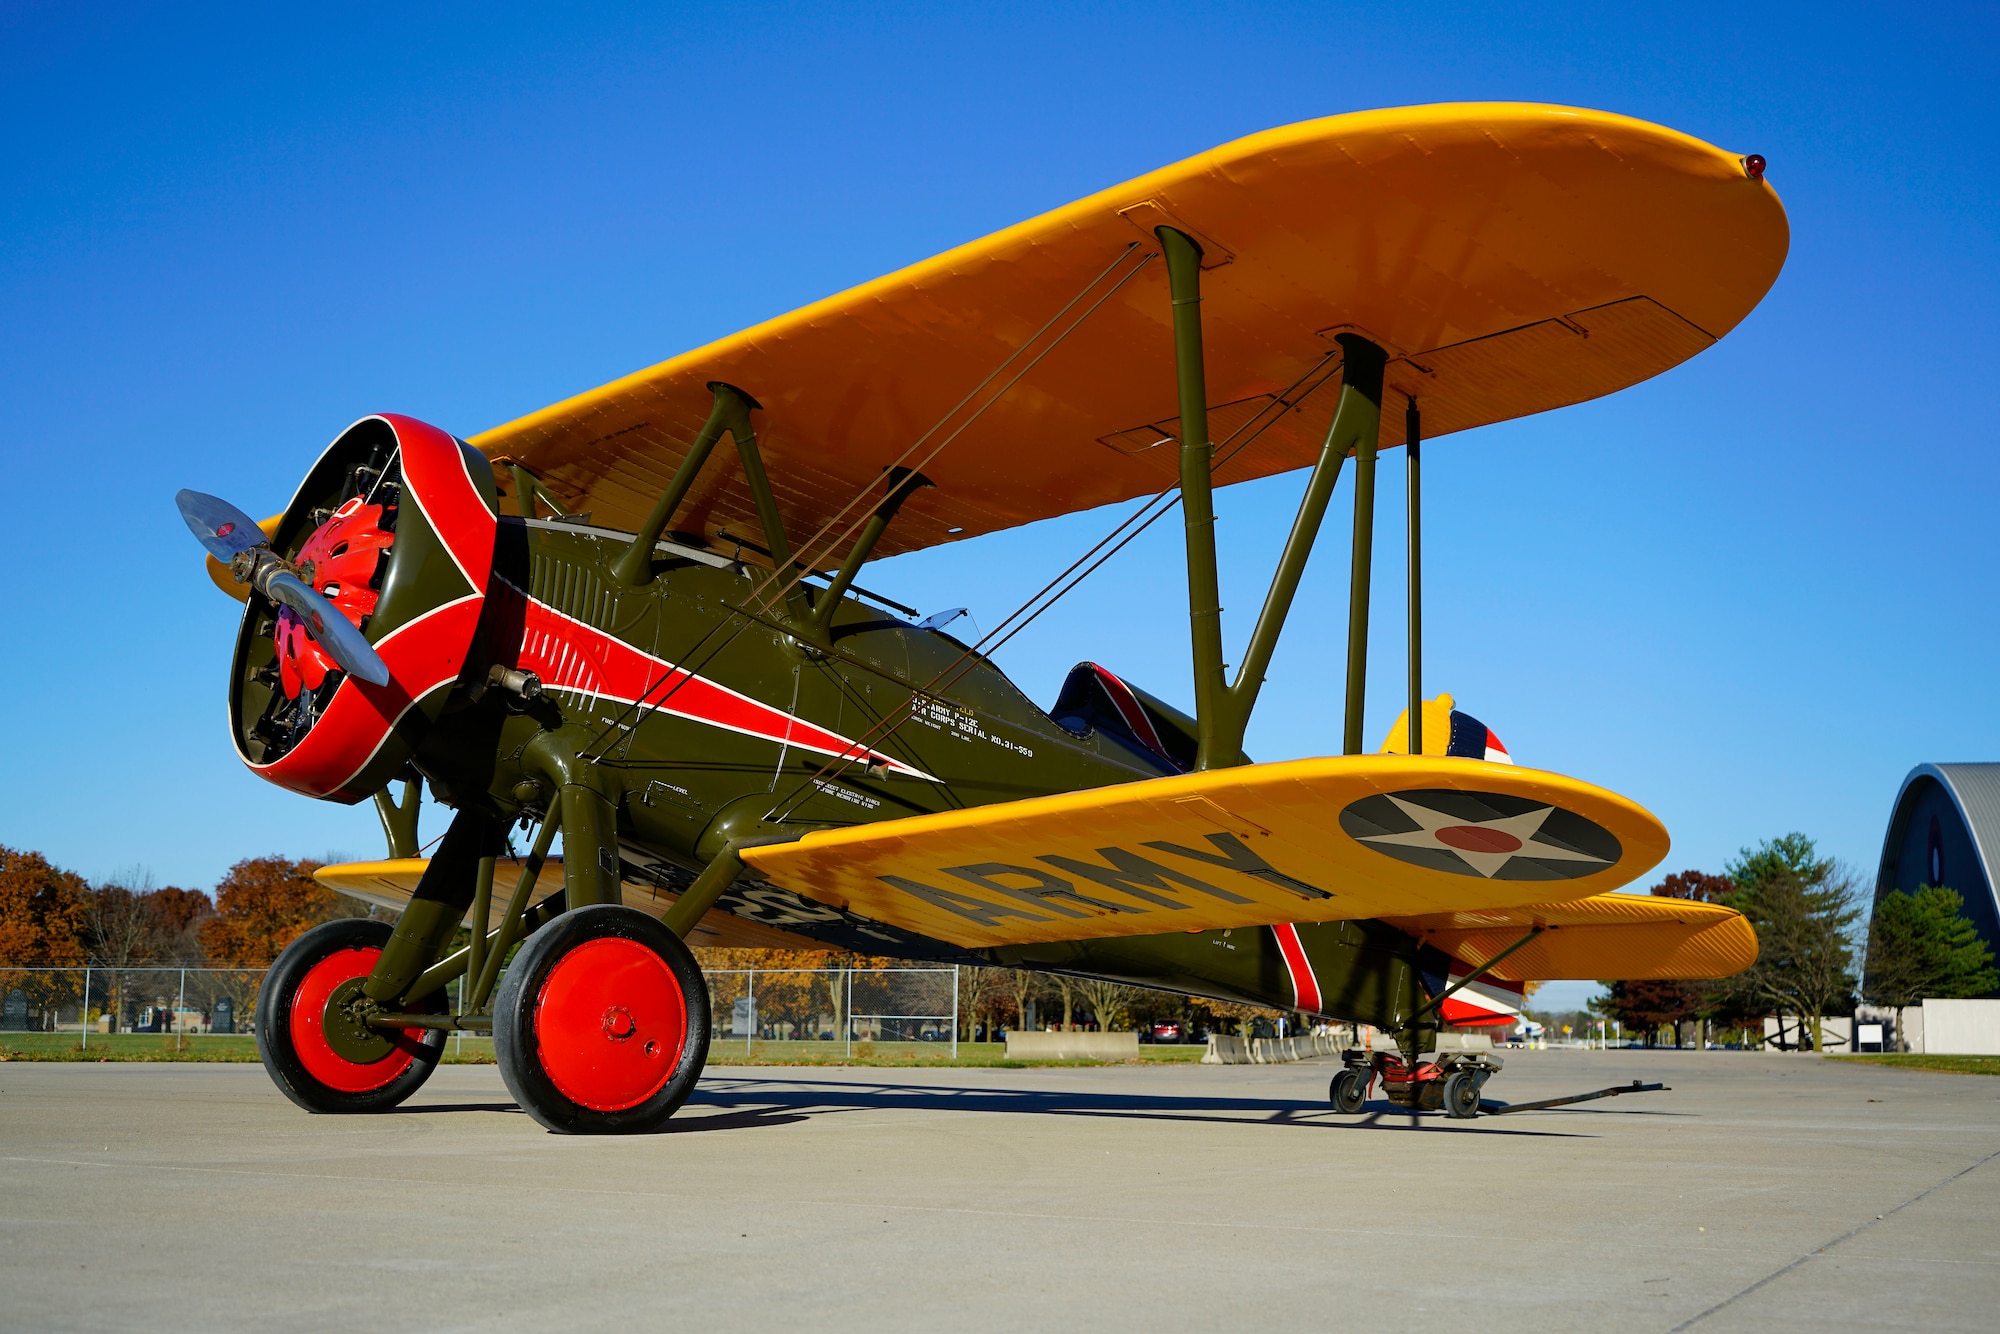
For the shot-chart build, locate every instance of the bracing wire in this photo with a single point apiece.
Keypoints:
(1160, 504)
(683, 674)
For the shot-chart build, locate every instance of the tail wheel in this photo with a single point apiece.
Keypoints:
(1461, 1094)
(316, 1053)
(1349, 1090)
(601, 1026)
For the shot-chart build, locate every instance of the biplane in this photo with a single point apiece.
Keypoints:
(592, 622)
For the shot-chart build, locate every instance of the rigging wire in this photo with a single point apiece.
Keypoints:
(687, 674)
(903, 458)
(1165, 500)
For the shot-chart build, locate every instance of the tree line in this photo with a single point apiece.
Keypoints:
(802, 995)
(1820, 951)
(55, 918)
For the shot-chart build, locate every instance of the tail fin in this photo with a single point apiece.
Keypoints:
(1447, 732)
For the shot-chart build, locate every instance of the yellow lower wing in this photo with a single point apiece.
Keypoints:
(1630, 937)
(1315, 840)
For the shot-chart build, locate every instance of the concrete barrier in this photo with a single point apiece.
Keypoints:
(1961, 1027)
(1464, 1042)
(1226, 1050)
(1072, 1046)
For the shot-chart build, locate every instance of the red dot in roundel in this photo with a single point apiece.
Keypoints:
(225, 530)
(1475, 838)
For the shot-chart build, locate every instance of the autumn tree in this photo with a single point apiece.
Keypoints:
(1699, 886)
(982, 1000)
(263, 905)
(1023, 985)
(1922, 945)
(1238, 1014)
(133, 924)
(1648, 1006)
(43, 915)
(1109, 1001)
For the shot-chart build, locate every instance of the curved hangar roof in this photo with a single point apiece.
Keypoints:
(1513, 258)
(1945, 830)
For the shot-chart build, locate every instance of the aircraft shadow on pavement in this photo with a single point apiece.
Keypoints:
(761, 1102)
(744, 1120)
(425, 1108)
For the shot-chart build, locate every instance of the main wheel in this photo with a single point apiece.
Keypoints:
(317, 1055)
(601, 1026)
(1348, 1090)
(1461, 1094)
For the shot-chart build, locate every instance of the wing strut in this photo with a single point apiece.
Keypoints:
(1222, 708)
(730, 412)
(1413, 438)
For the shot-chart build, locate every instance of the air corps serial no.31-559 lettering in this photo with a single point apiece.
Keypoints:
(591, 621)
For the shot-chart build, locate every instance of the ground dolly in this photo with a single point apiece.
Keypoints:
(592, 623)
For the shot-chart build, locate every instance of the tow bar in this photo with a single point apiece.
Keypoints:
(1502, 1108)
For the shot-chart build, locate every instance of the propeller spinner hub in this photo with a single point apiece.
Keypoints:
(342, 560)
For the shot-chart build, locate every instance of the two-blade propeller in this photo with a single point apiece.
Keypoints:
(234, 538)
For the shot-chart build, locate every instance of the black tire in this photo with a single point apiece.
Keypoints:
(601, 1026)
(303, 1061)
(1348, 1091)
(1461, 1094)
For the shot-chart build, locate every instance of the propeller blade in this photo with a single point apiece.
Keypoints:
(219, 525)
(335, 633)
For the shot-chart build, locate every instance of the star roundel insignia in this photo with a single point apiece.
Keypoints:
(1494, 835)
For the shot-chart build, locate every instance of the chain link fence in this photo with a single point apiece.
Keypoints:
(875, 1010)
(103, 1000)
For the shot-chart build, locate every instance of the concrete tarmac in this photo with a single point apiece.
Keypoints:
(1763, 1192)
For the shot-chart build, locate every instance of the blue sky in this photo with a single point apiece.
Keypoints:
(1751, 593)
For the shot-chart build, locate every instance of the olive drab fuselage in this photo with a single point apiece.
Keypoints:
(699, 707)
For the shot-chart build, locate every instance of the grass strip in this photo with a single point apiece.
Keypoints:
(1950, 1065)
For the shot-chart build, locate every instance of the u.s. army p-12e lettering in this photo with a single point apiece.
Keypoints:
(587, 622)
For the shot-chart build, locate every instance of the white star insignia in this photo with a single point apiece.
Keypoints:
(1484, 845)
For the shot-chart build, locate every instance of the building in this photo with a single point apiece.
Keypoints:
(1945, 830)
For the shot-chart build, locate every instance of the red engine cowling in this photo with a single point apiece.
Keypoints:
(395, 525)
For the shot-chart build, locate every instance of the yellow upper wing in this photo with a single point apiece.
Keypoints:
(1513, 258)
(1315, 840)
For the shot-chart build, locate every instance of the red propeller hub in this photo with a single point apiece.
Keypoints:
(341, 561)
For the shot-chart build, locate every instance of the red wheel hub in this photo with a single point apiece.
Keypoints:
(308, 1027)
(610, 1024)
(343, 555)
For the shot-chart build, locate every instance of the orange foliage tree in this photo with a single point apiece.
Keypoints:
(43, 914)
(263, 905)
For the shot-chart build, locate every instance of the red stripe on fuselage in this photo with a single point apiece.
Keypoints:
(569, 655)
(1305, 984)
